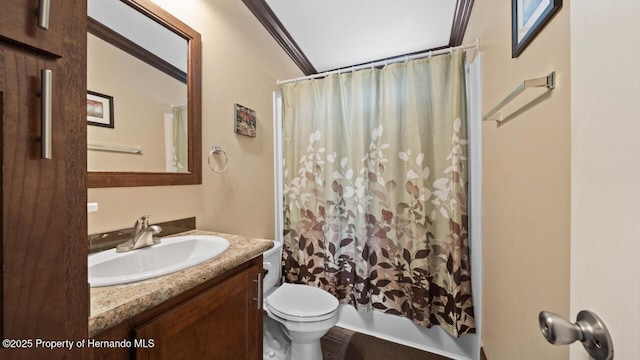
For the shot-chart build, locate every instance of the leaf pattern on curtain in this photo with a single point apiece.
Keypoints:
(386, 231)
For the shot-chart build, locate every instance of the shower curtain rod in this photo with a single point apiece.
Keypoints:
(386, 62)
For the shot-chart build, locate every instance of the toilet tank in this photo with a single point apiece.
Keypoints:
(272, 260)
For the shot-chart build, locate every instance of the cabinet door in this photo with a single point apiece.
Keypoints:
(223, 322)
(33, 202)
(19, 21)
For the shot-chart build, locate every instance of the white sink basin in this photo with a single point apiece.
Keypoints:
(171, 255)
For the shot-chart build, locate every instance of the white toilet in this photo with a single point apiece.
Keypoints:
(296, 316)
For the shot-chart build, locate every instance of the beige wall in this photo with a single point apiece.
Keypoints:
(241, 63)
(526, 251)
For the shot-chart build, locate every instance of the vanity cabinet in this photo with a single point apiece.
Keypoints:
(221, 319)
(43, 252)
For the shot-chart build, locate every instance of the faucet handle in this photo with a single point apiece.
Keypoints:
(155, 229)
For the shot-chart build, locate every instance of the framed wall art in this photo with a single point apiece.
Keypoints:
(528, 18)
(99, 109)
(245, 122)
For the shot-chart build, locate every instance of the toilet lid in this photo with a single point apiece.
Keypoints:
(301, 301)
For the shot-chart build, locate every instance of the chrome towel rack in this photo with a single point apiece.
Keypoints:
(215, 149)
(116, 148)
(545, 81)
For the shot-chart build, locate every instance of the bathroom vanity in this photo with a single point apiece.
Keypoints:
(209, 311)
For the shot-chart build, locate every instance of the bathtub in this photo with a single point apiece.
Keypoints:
(402, 331)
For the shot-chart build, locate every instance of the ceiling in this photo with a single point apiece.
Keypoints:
(331, 34)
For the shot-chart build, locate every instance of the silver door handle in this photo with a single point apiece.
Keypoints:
(46, 113)
(589, 329)
(43, 14)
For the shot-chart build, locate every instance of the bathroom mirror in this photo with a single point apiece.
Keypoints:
(143, 96)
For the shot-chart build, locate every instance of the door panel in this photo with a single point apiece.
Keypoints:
(605, 189)
(220, 323)
(33, 195)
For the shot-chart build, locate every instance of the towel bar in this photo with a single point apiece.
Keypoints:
(545, 81)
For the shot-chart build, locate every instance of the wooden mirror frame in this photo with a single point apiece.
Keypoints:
(101, 179)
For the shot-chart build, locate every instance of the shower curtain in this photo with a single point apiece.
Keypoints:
(180, 139)
(375, 190)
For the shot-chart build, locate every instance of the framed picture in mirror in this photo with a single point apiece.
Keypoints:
(528, 18)
(100, 109)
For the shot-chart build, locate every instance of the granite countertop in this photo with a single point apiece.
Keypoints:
(110, 305)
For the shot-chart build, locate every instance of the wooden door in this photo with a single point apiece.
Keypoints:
(33, 192)
(223, 322)
(19, 22)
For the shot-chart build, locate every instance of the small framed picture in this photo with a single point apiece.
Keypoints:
(99, 109)
(245, 121)
(528, 17)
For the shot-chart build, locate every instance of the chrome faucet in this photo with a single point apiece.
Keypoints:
(142, 235)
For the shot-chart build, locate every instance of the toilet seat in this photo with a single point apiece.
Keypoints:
(303, 303)
(285, 316)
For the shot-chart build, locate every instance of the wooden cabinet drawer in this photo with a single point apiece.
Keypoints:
(19, 23)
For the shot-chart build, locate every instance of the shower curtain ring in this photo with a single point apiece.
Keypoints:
(215, 149)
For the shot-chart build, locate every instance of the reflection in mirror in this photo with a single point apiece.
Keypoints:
(149, 113)
(145, 65)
